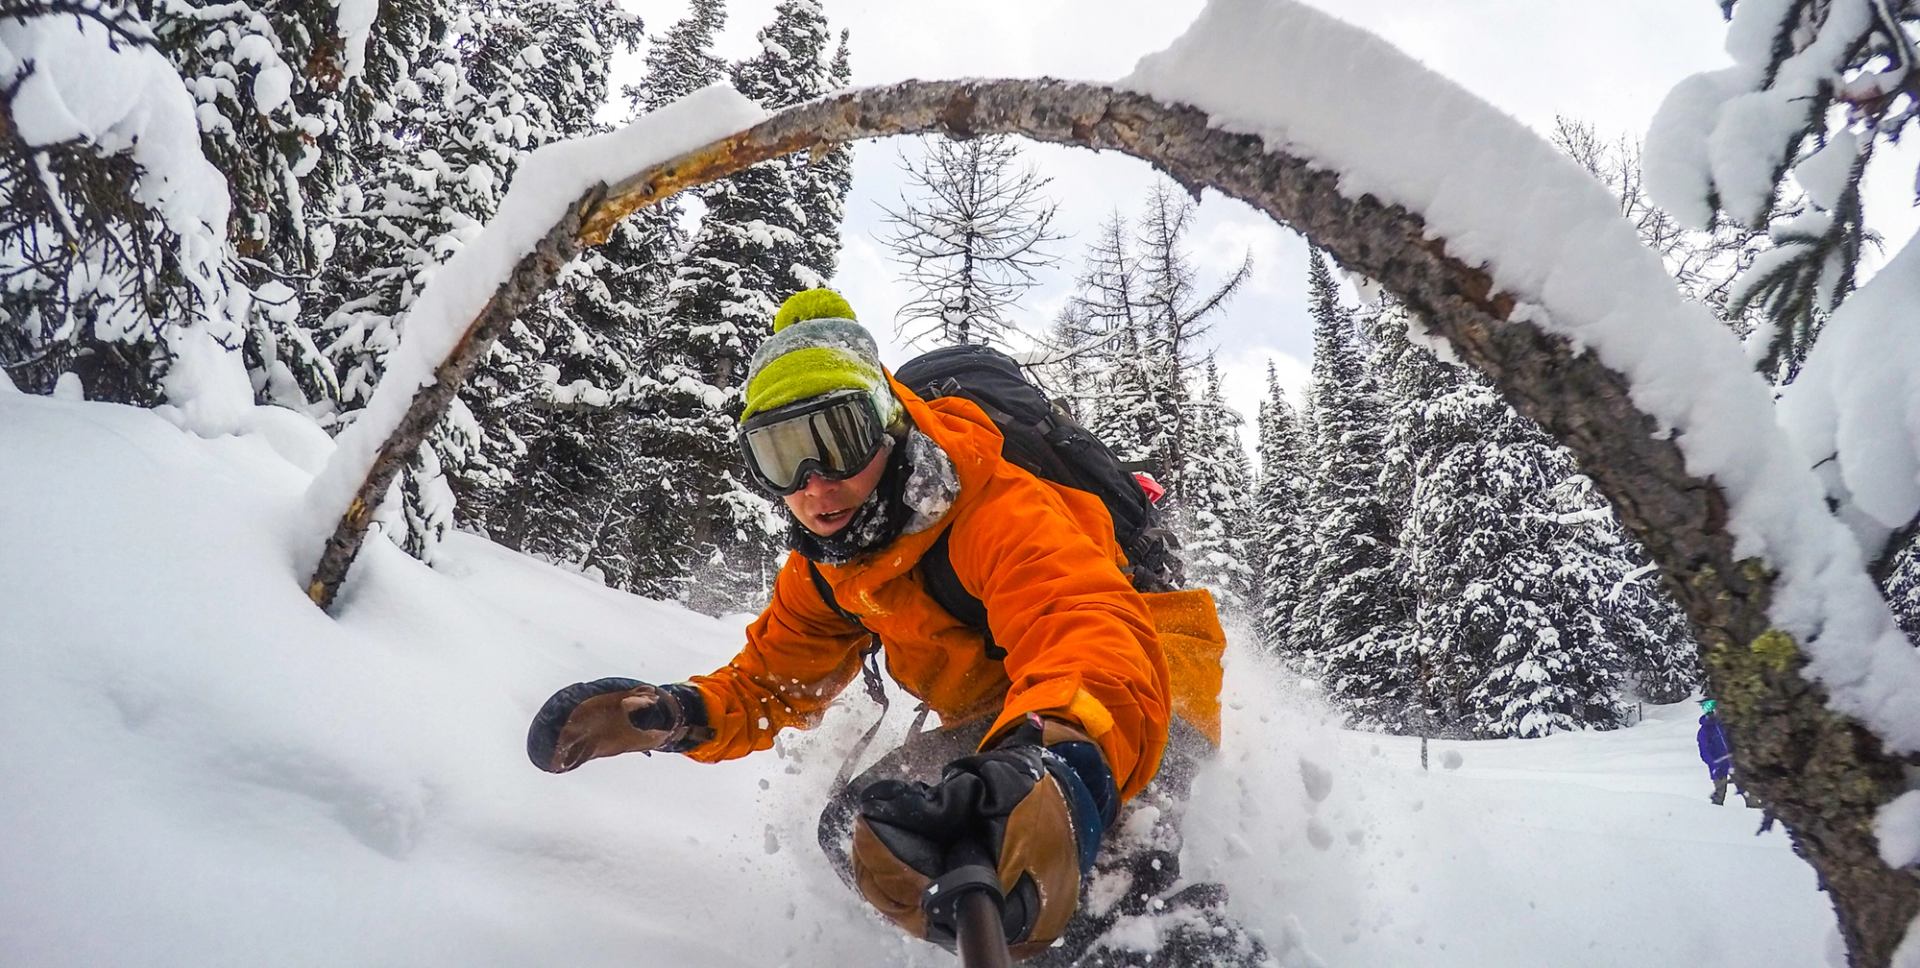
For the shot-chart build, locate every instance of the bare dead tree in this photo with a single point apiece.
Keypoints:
(1824, 775)
(971, 243)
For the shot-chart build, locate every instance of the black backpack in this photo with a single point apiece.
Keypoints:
(1048, 442)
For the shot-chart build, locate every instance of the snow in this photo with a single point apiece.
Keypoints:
(272, 86)
(932, 485)
(354, 21)
(1899, 847)
(1824, 174)
(201, 768)
(1857, 399)
(1549, 234)
(546, 182)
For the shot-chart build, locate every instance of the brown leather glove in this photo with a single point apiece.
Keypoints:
(1023, 819)
(588, 720)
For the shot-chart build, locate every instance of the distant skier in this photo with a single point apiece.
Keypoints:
(1714, 750)
(1087, 700)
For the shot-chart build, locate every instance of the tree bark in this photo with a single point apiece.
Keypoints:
(1821, 774)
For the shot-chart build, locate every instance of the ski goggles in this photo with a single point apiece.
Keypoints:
(834, 436)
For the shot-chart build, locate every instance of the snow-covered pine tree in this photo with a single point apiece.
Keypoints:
(276, 95)
(1815, 89)
(1553, 661)
(538, 398)
(573, 497)
(539, 70)
(1129, 417)
(500, 80)
(749, 254)
(1902, 587)
(823, 182)
(612, 456)
(416, 186)
(287, 94)
(681, 60)
(1281, 530)
(99, 284)
(1517, 568)
(1065, 366)
(272, 126)
(1638, 617)
(1215, 522)
(969, 240)
(1351, 602)
(1499, 533)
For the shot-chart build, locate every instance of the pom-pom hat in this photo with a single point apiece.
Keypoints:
(818, 347)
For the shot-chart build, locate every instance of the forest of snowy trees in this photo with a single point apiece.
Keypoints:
(1401, 534)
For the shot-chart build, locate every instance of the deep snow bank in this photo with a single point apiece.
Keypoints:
(200, 768)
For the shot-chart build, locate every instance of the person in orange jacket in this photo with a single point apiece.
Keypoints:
(1041, 746)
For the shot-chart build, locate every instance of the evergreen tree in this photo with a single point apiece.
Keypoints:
(1902, 588)
(619, 456)
(1640, 621)
(681, 61)
(1514, 647)
(751, 251)
(1282, 530)
(99, 282)
(970, 241)
(1351, 605)
(823, 182)
(1215, 521)
(120, 269)
(500, 80)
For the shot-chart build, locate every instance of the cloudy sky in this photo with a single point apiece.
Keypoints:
(1608, 64)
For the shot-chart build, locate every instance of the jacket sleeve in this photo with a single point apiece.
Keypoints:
(799, 655)
(1080, 641)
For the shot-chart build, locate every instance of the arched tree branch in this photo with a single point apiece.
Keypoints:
(1823, 775)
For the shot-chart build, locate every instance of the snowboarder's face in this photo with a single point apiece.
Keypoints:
(824, 507)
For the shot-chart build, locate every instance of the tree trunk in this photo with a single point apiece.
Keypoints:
(1823, 775)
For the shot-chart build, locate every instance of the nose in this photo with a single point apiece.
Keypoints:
(817, 486)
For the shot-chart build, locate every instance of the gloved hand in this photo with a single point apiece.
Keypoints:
(1032, 810)
(588, 720)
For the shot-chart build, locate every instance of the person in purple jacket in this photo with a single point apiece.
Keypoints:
(1714, 751)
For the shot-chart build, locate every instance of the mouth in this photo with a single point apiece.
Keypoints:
(834, 519)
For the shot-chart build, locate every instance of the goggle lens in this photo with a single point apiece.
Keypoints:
(834, 438)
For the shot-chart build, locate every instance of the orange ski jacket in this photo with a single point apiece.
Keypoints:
(1081, 644)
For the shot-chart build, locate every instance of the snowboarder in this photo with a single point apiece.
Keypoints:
(1715, 751)
(1087, 701)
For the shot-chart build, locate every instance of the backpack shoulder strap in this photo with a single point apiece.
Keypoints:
(943, 583)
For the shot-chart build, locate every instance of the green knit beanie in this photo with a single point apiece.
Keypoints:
(818, 347)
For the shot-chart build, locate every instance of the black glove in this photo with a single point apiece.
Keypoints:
(1028, 813)
(588, 720)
